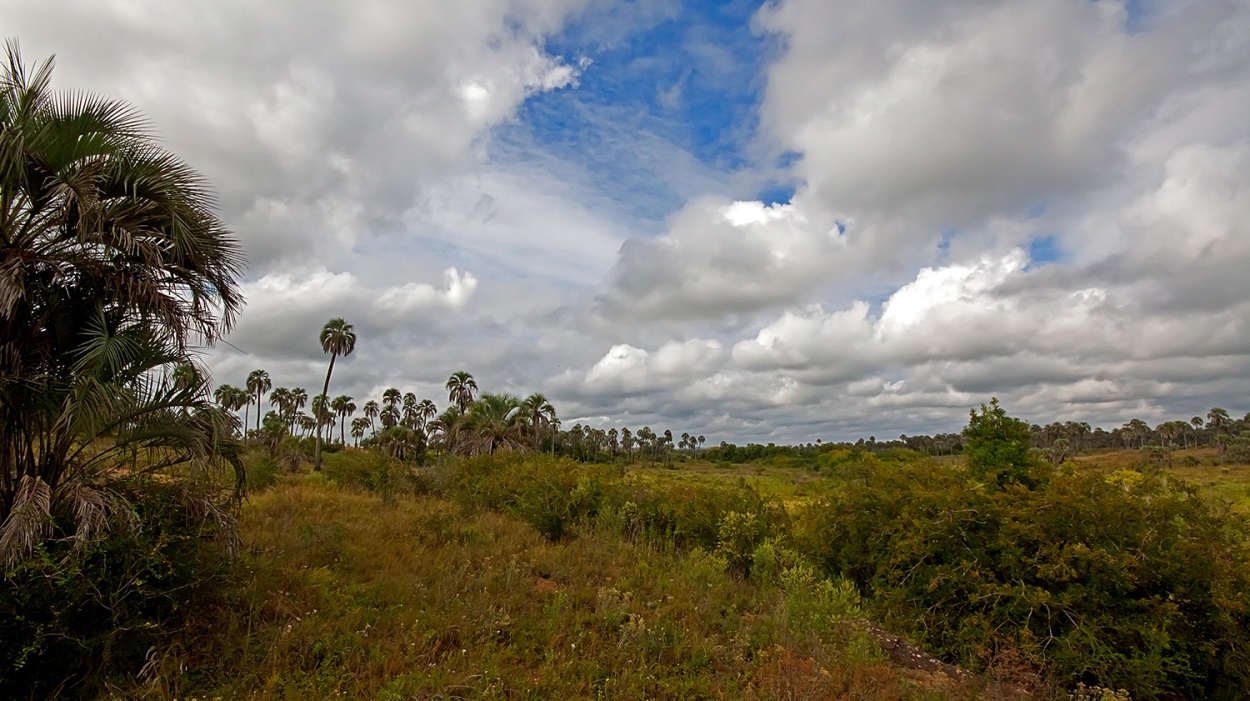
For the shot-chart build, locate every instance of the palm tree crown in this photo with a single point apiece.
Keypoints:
(337, 338)
(460, 390)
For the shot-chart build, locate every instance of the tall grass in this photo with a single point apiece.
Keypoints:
(343, 593)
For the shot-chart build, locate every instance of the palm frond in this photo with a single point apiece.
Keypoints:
(29, 521)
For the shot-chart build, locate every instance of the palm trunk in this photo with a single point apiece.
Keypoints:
(325, 389)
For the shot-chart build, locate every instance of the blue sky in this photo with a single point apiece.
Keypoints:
(679, 84)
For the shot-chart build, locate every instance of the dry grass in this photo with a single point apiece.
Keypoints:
(342, 595)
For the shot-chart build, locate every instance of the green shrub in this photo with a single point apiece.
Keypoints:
(740, 535)
(999, 448)
(554, 495)
(690, 515)
(369, 470)
(71, 620)
(1136, 583)
(261, 473)
(771, 559)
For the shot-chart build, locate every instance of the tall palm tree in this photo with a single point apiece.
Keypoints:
(425, 411)
(460, 389)
(389, 416)
(337, 338)
(258, 383)
(410, 410)
(112, 262)
(538, 414)
(1217, 420)
(359, 426)
(280, 398)
(371, 410)
(343, 406)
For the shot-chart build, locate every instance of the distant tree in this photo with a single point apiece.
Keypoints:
(343, 407)
(392, 397)
(371, 411)
(1218, 420)
(538, 414)
(425, 411)
(389, 416)
(258, 383)
(359, 426)
(337, 338)
(460, 390)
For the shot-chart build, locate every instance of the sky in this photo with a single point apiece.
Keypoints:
(770, 222)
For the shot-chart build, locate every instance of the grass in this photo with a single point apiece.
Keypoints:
(383, 594)
(1200, 466)
(341, 594)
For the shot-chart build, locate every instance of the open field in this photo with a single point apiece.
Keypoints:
(1199, 466)
(344, 594)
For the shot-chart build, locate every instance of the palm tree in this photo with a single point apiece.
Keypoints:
(460, 389)
(337, 338)
(112, 263)
(425, 411)
(280, 397)
(359, 426)
(389, 416)
(343, 406)
(449, 427)
(409, 412)
(1217, 421)
(392, 396)
(494, 422)
(539, 415)
(258, 383)
(371, 410)
(306, 422)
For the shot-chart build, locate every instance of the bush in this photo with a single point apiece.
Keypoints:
(1135, 583)
(999, 448)
(554, 495)
(70, 620)
(691, 515)
(370, 470)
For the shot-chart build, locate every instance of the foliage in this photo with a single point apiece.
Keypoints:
(342, 596)
(1157, 598)
(111, 264)
(999, 447)
(70, 620)
(113, 268)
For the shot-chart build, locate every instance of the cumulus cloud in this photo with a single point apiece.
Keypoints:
(319, 123)
(284, 307)
(1046, 201)
(722, 257)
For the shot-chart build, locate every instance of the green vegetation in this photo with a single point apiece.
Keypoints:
(112, 266)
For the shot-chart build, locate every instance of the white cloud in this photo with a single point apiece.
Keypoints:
(358, 152)
(721, 257)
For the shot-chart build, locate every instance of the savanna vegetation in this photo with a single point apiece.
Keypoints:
(485, 551)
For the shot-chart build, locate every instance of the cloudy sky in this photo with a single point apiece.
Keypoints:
(773, 221)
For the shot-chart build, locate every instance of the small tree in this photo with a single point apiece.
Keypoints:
(998, 446)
